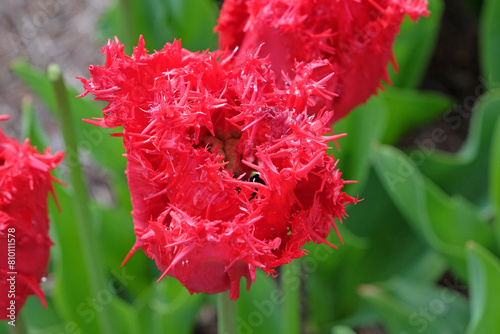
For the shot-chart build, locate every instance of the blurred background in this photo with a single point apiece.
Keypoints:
(421, 250)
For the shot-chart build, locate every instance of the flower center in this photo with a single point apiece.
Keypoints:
(228, 148)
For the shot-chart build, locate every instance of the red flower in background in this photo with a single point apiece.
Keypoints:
(25, 182)
(355, 37)
(227, 172)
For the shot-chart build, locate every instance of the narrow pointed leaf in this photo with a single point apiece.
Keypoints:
(259, 309)
(406, 306)
(413, 47)
(445, 223)
(167, 307)
(364, 126)
(495, 177)
(445, 169)
(93, 140)
(489, 41)
(409, 109)
(484, 277)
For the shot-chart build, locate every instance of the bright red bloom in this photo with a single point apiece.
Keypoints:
(226, 171)
(25, 182)
(356, 38)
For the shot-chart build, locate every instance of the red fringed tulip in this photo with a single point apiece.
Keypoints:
(355, 37)
(25, 182)
(226, 171)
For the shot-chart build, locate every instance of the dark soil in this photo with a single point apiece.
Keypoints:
(454, 70)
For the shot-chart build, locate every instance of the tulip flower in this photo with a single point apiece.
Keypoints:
(25, 182)
(227, 172)
(354, 37)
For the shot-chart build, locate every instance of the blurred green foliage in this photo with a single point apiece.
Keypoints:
(162, 21)
(421, 251)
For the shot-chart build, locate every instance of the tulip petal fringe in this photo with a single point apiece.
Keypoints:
(227, 171)
(25, 182)
(354, 37)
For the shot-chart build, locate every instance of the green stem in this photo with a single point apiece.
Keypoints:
(92, 263)
(128, 22)
(28, 115)
(495, 177)
(227, 312)
(290, 274)
(20, 327)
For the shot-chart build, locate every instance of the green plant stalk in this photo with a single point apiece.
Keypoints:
(20, 327)
(495, 178)
(27, 118)
(227, 312)
(290, 274)
(91, 263)
(128, 21)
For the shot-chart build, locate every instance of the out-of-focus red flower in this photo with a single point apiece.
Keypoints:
(355, 37)
(227, 172)
(25, 182)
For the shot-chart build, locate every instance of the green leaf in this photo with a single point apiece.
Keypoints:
(117, 237)
(127, 19)
(489, 41)
(167, 307)
(413, 47)
(324, 276)
(454, 219)
(495, 177)
(364, 126)
(161, 22)
(81, 305)
(259, 309)
(194, 22)
(409, 109)
(106, 309)
(31, 127)
(40, 319)
(473, 158)
(4, 327)
(407, 306)
(93, 140)
(291, 310)
(377, 219)
(342, 330)
(68, 270)
(445, 223)
(484, 278)
(369, 240)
